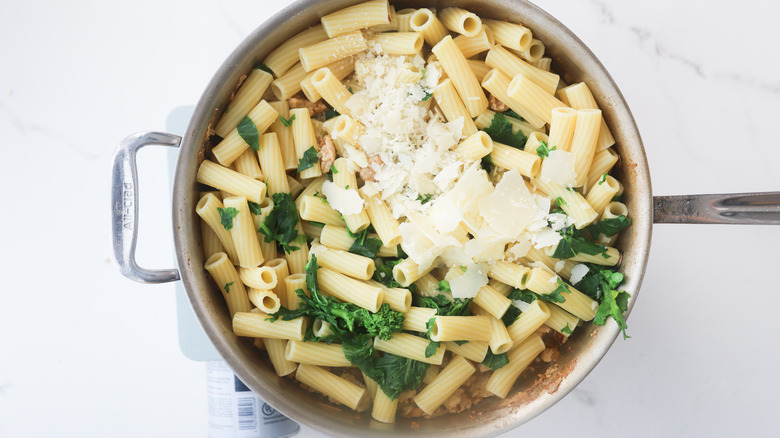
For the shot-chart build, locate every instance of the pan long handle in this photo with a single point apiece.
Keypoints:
(124, 206)
(735, 208)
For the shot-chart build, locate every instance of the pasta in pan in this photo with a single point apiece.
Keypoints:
(439, 219)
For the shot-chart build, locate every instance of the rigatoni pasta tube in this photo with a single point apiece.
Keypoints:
(284, 136)
(316, 353)
(578, 96)
(497, 83)
(502, 380)
(450, 104)
(293, 283)
(603, 161)
(400, 43)
(261, 277)
(208, 209)
(509, 64)
(486, 119)
(562, 125)
(360, 16)
(473, 350)
(534, 52)
(479, 68)
(341, 69)
(460, 328)
(416, 318)
(247, 97)
(511, 35)
(427, 286)
(583, 144)
(331, 89)
(509, 273)
(222, 178)
(602, 193)
(526, 324)
(407, 272)
(577, 303)
(384, 409)
(265, 300)
(211, 243)
(500, 341)
(257, 325)
(425, 22)
(574, 204)
(295, 186)
(491, 301)
(331, 50)
(462, 77)
(262, 116)
(340, 389)
(281, 271)
(304, 139)
(612, 210)
(225, 276)
(533, 97)
(475, 147)
(472, 45)
(297, 258)
(286, 55)
(314, 208)
(270, 157)
(275, 348)
(535, 140)
(561, 321)
(244, 234)
(353, 265)
(350, 290)
(611, 257)
(403, 16)
(382, 219)
(246, 164)
(392, 26)
(460, 21)
(410, 346)
(526, 163)
(444, 385)
(345, 178)
(397, 298)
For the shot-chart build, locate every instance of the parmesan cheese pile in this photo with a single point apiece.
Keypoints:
(452, 212)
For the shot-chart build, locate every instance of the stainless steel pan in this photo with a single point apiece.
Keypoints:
(531, 396)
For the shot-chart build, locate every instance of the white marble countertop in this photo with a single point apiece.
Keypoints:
(85, 352)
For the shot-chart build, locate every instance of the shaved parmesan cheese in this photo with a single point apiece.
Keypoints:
(559, 265)
(559, 221)
(558, 167)
(342, 200)
(544, 238)
(510, 208)
(578, 272)
(468, 284)
(518, 250)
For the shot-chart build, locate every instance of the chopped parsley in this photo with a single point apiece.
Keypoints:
(500, 130)
(543, 150)
(333, 169)
(602, 179)
(286, 122)
(249, 133)
(424, 198)
(227, 287)
(567, 329)
(443, 286)
(226, 216)
(308, 160)
(427, 97)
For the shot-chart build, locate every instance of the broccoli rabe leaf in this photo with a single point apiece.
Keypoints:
(614, 302)
(609, 227)
(255, 208)
(249, 133)
(308, 160)
(500, 130)
(573, 243)
(281, 222)
(365, 246)
(443, 306)
(495, 361)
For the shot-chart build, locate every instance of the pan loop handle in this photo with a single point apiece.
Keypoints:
(124, 206)
(735, 208)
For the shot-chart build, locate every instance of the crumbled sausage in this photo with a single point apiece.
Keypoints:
(367, 173)
(298, 101)
(495, 104)
(327, 153)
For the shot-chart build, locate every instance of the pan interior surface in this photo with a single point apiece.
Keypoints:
(533, 393)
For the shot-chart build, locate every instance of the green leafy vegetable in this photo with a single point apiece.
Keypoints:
(424, 198)
(255, 208)
(331, 113)
(603, 178)
(333, 169)
(511, 315)
(444, 286)
(308, 160)
(427, 97)
(264, 68)
(500, 130)
(394, 374)
(559, 202)
(443, 306)
(365, 246)
(227, 287)
(614, 302)
(609, 227)
(430, 350)
(384, 272)
(248, 131)
(350, 90)
(495, 361)
(573, 243)
(226, 216)
(286, 122)
(567, 329)
(487, 163)
(280, 223)
(511, 113)
(543, 151)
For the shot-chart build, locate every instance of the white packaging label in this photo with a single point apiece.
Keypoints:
(236, 412)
